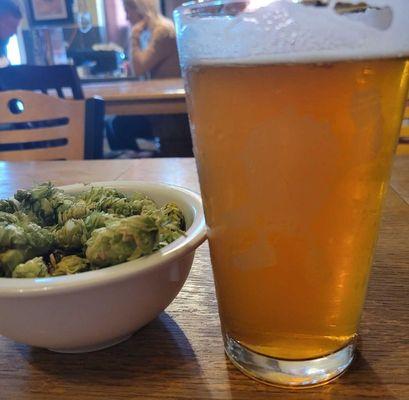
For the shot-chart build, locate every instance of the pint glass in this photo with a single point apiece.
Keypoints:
(295, 110)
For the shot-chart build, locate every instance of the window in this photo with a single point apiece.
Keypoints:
(13, 51)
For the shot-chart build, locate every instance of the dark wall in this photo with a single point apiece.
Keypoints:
(169, 5)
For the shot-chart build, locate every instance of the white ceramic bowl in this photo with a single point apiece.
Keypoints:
(97, 309)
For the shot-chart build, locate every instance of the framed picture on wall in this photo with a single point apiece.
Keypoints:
(50, 12)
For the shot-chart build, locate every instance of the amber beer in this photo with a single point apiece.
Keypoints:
(294, 161)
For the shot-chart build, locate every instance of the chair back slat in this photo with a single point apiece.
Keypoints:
(37, 107)
(42, 78)
(20, 124)
(34, 135)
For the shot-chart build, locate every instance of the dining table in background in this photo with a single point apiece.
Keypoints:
(180, 354)
(133, 97)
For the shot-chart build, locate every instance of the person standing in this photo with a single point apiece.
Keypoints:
(10, 17)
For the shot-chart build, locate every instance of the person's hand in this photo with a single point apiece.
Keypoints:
(138, 28)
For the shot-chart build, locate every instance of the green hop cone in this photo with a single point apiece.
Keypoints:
(72, 236)
(98, 193)
(72, 210)
(143, 204)
(103, 223)
(29, 236)
(70, 265)
(41, 203)
(34, 268)
(173, 215)
(9, 259)
(114, 205)
(8, 218)
(39, 240)
(8, 206)
(122, 240)
(99, 219)
(171, 224)
(144, 230)
(12, 235)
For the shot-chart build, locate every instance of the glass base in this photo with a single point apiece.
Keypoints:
(286, 373)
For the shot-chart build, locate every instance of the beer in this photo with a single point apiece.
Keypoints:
(295, 110)
(294, 162)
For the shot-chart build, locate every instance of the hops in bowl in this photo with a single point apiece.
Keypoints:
(45, 231)
(98, 307)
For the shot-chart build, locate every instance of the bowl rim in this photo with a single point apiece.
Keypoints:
(195, 236)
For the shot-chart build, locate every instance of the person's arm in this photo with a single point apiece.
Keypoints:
(160, 47)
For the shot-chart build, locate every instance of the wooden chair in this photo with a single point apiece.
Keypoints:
(403, 145)
(60, 79)
(35, 126)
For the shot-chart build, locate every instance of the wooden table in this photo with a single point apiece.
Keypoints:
(180, 354)
(158, 96)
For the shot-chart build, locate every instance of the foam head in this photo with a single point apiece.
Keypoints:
(277, 31)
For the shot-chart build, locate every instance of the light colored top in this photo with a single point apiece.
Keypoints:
(156, 55)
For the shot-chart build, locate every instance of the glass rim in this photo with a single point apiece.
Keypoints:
(365, 38)
(187, 7)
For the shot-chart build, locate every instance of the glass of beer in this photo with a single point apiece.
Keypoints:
(295, 110)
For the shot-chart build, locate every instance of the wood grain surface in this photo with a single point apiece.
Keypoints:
(156, 96)
(180, 354)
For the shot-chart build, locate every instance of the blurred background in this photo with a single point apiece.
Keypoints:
(95, 37)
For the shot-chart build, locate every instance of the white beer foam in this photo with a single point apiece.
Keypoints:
(281, 31)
